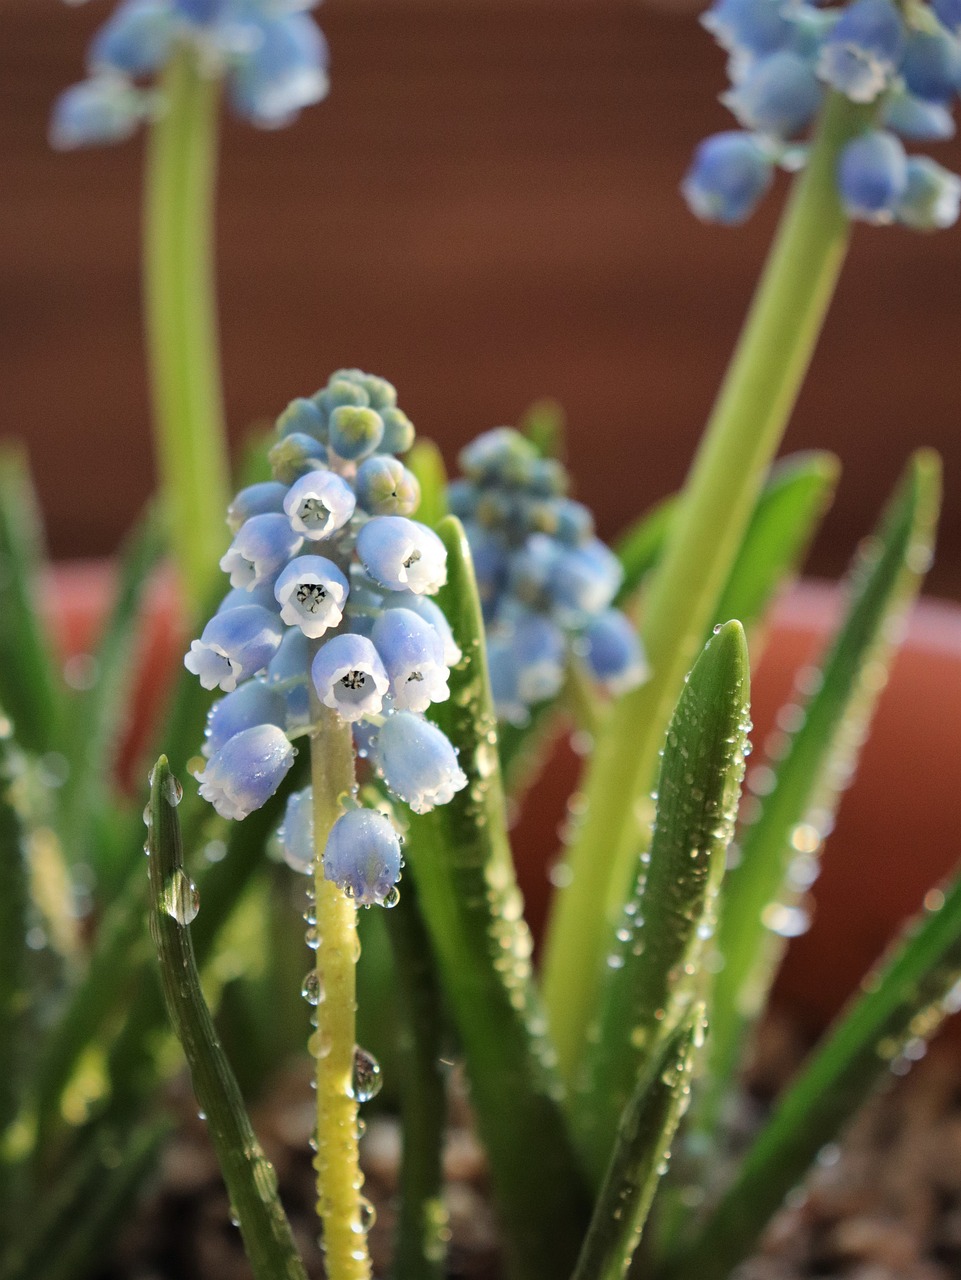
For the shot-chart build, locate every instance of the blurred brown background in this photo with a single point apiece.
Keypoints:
(486, 211)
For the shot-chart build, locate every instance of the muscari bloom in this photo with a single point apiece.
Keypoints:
(784, 55)
(543, 577)
(273, 56)
(355, 626)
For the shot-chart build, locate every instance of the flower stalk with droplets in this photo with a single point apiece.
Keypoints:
(328, 632)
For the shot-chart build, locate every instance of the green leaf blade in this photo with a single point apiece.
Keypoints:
(427, 464)
(798, 491)
(30, 689)
(250, 1178)
(637, 1164)
(460, 857)
(653, 968)
(906, 997)
(835, 720)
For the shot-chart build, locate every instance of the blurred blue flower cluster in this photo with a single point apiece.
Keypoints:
(785, 55)
(330, 583)
(546, 582)
(271, 52)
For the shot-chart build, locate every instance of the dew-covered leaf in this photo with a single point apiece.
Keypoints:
(421, 1248)
(653, 971)
(250, 1178)
(801, 789)
(460, 857)
(640, 1154)
(902, 1003)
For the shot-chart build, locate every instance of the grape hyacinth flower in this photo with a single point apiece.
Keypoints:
(903, 62)
(544, 579)
(354, 627)
(273, 56)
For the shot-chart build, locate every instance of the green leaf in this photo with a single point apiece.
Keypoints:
(30, 690)
(461, 861)
(250, 1177)
(816, 764)
(653, 972)
(639, 547)
(97, 718)
(14, 993)
(544, 424)
(85, 1208)
(421, 1249)
(644, 1138)
(427, 464)
(905, 999)
(525, 749)
(799, 490)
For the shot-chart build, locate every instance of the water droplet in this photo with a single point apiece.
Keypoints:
(173, 791)
(312, 988)
(391, 897)
(785, 921)
(365, 1081)
(312, 937)
(180, 897)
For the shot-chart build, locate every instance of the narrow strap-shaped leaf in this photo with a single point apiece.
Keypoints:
(799, 490)
(81, 1214)
(461, 860)
(136, 1062)
(427, 464)
(640, 1155)
(652, 974)
(14, 900)
(96, 718)
(817, 763)
(904, 1000)
(421, 1247)
(250, 1177)
(639, 547)
(30, 690)
(543, 423)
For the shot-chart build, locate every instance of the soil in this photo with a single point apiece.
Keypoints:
(883, 1205)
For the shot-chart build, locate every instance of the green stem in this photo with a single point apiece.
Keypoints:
(181, 319)
(741, 438)
(339, 1202)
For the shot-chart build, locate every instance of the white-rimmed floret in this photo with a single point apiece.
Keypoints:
(247, 770)
(402, 555)
(413, 656)
(417, 762)
(233, 646)
(260, 549)
(318, 504)
(311, 592)
(349, 676)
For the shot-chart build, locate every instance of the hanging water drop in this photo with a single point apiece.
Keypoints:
(366, 1080)
(312, 988)
(173, 791)
(180, 898)
(391, 897)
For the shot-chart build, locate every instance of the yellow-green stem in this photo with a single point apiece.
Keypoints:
(336, 1161)
(741, 438)
(181, 319)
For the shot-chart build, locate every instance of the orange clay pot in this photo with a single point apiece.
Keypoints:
(898, 828)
